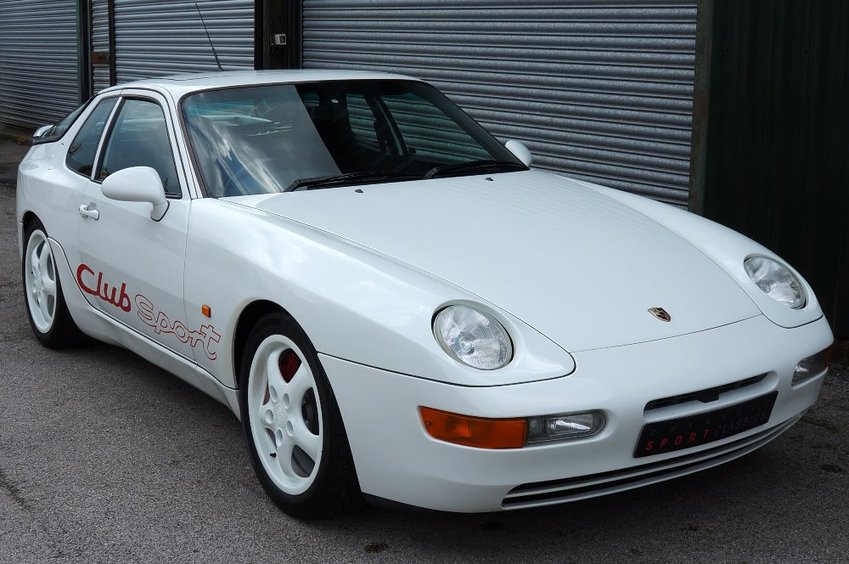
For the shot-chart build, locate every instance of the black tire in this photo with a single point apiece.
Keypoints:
(334, 489)
(60, 330)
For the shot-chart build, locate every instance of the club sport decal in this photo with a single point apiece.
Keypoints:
(102, 289)
(160, 323)
(158, 320)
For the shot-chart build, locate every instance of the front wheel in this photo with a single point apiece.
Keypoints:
(292, 423)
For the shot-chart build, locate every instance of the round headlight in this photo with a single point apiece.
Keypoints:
(472, 337)
(776, 281)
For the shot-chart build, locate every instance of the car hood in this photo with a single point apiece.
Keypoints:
(576, 265)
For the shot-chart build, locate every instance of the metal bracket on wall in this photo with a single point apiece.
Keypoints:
(100, 57)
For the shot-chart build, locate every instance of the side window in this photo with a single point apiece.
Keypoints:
(140, 138)
(81, 152)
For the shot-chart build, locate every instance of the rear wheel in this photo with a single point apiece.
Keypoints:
(48, 314)
(292, 423)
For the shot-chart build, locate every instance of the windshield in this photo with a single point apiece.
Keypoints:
(266, 139)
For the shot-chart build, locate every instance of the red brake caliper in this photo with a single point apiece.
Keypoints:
(288, 364)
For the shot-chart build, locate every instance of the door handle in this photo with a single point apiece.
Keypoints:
(85, 211)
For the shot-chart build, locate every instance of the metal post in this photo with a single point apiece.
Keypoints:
(84, 47)
(701, 106)
(110, 8)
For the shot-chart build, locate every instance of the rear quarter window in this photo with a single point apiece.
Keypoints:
(58, 131)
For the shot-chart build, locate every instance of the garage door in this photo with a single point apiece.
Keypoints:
(599, 90)
(39, 81)
(160, 37)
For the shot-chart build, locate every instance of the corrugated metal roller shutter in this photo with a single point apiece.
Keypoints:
(597, 89)
(160, 37)
(39, 80)
(100, 41)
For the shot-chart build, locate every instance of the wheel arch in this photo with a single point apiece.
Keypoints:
(26, 220)
(248, 318)
(28, 217)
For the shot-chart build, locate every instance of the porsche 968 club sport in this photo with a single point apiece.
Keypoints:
(396, 305)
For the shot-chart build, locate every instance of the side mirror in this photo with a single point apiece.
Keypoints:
(520, 151)
(137, 184)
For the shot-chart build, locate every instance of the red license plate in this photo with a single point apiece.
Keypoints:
(695, 430)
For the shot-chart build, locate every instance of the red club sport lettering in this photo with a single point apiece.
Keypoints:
(97, 287)
(160, 323)
(93, 284)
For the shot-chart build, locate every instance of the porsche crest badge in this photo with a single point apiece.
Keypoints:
(660, 313)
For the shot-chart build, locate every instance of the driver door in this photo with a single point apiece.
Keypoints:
(131, 267)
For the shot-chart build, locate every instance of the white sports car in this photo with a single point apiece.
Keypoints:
(395, 305)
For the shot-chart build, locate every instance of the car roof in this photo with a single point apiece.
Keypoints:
(181, 84)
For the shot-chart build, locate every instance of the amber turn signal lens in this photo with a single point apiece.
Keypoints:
(474, 431)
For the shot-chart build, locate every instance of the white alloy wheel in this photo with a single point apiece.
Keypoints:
(292, 423)
(285, 415)
(40, 281)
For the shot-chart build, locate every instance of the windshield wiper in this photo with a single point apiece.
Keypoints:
(360, 176)
(486, 165)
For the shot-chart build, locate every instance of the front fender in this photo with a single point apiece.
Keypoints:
(353, 303)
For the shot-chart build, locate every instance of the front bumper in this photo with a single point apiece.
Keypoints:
(396, 459)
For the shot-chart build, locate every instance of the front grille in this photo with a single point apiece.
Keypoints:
(583, 487)
(704, 396)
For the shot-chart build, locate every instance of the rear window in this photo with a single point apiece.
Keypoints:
(57, 131)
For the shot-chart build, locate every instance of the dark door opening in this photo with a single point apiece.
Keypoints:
(777, 165)
(278, 34)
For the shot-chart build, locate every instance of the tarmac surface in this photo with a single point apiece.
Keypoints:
(106, 458)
